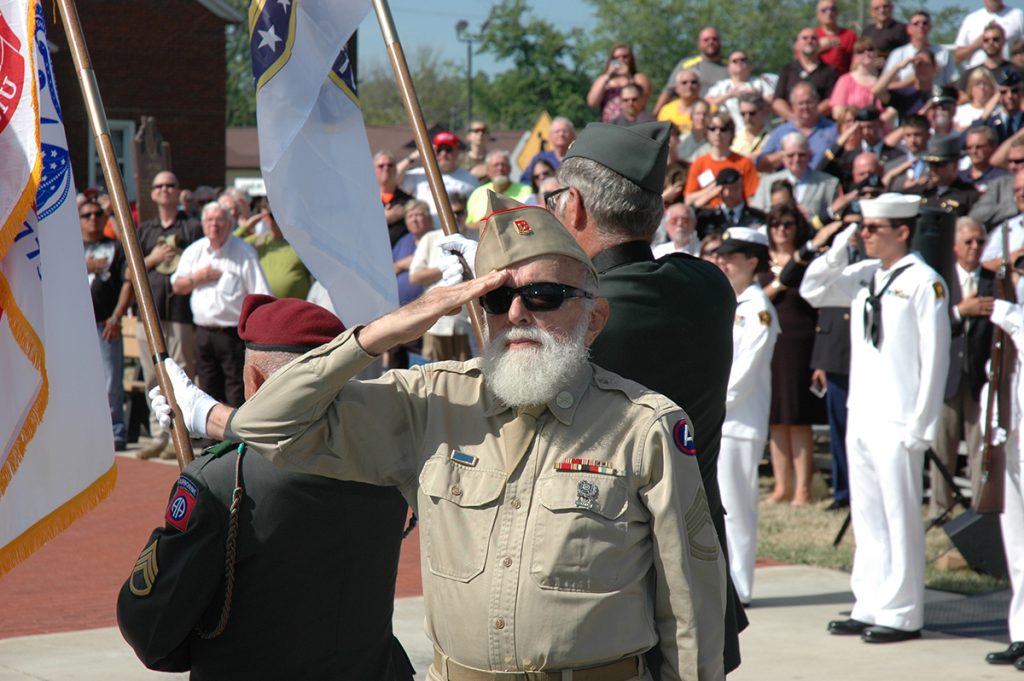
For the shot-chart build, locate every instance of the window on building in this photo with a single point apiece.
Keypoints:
(121, 135)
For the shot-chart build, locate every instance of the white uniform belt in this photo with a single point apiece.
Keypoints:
(620, 670)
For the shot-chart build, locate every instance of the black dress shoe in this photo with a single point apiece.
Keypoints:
(1008, 656)
(850, 627)
(837, 506)
(880, 634)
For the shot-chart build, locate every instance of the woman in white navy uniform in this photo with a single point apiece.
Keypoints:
(742, 254)
(899, 356)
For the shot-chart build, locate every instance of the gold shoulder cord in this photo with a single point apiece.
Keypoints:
(230, 551)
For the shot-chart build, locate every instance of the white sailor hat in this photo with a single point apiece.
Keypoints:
(741, 239)
(891, 206)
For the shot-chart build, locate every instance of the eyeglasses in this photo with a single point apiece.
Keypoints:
(483, 130)
(719, 128)
(1015, 161)
(977, 241)
(91, 214)
(689, 82)
(1009, 91)
(549, 197)
(789, 224)
(165, 185)
(538, 297)
(796, 154)
(445, 149)
(385, 165)
(866, 50)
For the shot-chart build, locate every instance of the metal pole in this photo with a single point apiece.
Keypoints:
(129, 235)
(419, 130)
(469, 83)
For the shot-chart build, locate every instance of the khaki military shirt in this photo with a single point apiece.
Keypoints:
(531, 563)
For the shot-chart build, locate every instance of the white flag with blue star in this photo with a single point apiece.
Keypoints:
(314, 153)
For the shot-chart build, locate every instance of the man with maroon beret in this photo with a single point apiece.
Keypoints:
(287, 553)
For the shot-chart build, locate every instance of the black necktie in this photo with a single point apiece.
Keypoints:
(873, 308)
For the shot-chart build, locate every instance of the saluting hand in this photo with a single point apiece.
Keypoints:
(411, 321)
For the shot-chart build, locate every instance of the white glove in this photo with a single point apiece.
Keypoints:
(451, 269)
(161, 407)
(195, 404)
(838, 255)
(914, 443)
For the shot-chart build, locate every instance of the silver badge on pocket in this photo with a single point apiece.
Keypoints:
(586, 494)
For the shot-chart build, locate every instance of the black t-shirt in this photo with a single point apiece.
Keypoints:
(887, 38)
(185, 230)
(397, 229)
(822, 78)
(105, 285)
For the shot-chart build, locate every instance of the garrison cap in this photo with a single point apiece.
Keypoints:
(285, 324)
(638, 152)
(513, 232)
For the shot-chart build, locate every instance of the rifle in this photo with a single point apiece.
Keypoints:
(1001, 366)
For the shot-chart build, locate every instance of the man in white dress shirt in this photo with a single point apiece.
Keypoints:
(219, 270)
(681, 227)
(899, 356)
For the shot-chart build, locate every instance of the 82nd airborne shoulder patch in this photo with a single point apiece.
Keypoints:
(182, 504)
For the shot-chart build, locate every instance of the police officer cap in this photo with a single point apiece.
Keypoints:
(727, 176)
(513, 232)
(1008, 77)
(942, 149)
(891, 206)
(637, 152)
(745, 240)
(285, 324)
(943, 94)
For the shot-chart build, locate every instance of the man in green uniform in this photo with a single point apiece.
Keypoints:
(300, 582)
(671, 320)
(565, 528)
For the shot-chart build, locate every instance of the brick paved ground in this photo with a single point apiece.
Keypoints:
(72, 582)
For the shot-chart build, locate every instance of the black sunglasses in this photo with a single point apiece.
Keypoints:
(91, 214)
(549, 197)
(539, 297)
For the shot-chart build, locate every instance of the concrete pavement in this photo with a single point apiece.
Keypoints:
(786, 640)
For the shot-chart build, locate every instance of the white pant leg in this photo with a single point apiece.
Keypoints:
(1012, 522)
(865, 513)
(901, 593)
(737, 482)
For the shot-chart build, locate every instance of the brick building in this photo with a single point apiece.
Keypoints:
(162, 58)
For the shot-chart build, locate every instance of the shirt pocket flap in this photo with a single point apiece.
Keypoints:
(461, 485)
(604, 495)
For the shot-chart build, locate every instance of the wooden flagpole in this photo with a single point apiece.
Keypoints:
(419, 129)
(129, 235)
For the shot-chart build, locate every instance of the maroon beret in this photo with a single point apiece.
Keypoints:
(285, 324)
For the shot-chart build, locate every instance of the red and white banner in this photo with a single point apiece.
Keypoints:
(56, 443)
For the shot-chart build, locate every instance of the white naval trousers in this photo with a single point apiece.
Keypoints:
(1012, 522)
(737, 482)
(885, 506)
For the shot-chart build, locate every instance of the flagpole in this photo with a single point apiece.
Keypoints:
(129, 235)
(419, 129)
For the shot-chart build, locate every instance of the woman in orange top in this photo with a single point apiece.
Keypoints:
(701, 189)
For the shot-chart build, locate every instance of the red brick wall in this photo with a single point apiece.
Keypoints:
(162, 58)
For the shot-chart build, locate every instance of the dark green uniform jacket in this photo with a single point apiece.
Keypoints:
(314, 583)
(671, 330)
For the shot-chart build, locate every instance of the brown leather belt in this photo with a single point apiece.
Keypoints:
(621, 670)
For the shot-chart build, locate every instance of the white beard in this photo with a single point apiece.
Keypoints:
(532, 376)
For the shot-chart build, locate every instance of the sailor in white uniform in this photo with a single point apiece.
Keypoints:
(744, 253)
(899, 356)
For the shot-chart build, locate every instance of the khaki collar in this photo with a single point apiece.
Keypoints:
(562, 405)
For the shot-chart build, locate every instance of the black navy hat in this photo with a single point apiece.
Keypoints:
(728, 176)
(868, 113)
(1008, 77)
(943, 94)
(638, 152)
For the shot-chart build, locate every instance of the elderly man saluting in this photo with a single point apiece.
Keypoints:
(565, 527)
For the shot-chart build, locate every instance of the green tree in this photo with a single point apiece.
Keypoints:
(440, 87)
(241, 95)
(546, 72)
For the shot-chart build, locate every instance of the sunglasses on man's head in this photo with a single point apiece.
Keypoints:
(538, 297)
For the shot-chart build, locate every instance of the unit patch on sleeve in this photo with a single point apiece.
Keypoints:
(182, 504)
(940, 290)
(766, 317)
(683, 436)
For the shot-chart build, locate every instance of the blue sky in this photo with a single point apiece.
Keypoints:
(433, 23)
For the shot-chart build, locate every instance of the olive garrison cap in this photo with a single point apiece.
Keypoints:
(513, 232)
(637, 152)
(285, 324)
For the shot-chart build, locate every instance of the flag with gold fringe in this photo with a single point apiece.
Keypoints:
(56, 442)
(314, 153)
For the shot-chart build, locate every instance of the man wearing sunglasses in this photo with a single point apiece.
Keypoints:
(560, 504)
(899, 356)
(671, 319)
(456, 180)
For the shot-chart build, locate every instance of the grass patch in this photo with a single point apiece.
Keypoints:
(803, 535)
